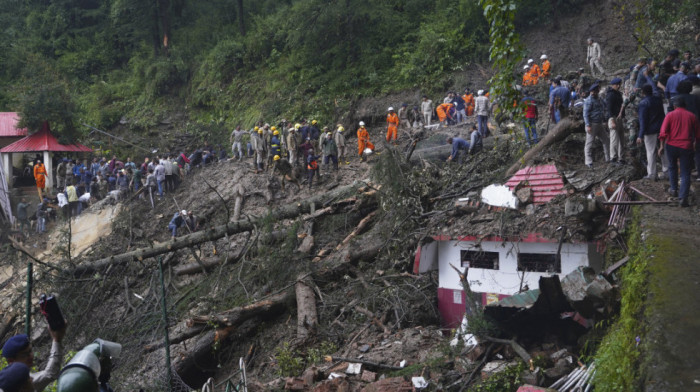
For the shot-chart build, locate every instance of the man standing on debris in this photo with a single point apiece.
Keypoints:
(236, 140)
(177, 222)
(330, 152)
(546, 67)
(19, 349)
(594, 116)
(482, 109)
(256, 139)
(559, 100)
(293, 144)
(339, 138)
(534, 70)
(616, 114)
(392, 121)
(679, 135)
(311, 166)
(426, 106)
(651, 116)
(363, 141)
(159, 172)
(593, 55)
(314, 133)
(403, 116)
(531, 115)
(460, 109)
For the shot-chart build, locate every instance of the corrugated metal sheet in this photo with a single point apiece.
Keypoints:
(522, 300)
(43, 140)
(8, 125)
(545, 181)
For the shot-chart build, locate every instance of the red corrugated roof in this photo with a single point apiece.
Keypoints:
(43, 140)
(545, 181)
(8, 125)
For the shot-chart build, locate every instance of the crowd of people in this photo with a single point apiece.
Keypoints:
(646, 107)
(654, 106)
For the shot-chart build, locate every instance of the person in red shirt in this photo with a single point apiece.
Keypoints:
(530, 120)
(680, 132)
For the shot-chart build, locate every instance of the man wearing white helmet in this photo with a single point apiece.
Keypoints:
(527, 76)
(363, 140)
(482, 108)
(546, 67)
(534, 70)
(392, 121)
(426, 107)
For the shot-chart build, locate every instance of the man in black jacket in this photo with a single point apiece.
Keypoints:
(616, 114)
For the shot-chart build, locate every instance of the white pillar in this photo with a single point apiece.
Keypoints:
(7, 167)
(48, 163)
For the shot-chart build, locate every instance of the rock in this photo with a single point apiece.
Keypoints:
(368, 376)
(532, 378)
(394, 384)
(295, 384)
(474, 354)
(335, 385)
(524, 195)
(310, 375)
(494, 367)
(364, 348)
(530, 209)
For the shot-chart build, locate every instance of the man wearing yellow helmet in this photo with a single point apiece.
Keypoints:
(340, 142)
(275, 149)
(282, 167)
(314, 134)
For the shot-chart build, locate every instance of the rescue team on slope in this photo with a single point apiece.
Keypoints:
(643, 103)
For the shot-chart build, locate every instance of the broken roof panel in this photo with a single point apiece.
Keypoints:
(545, 181)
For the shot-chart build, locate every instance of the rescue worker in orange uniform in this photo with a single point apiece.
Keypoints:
(546, 67)
(363, 140)
(392, 121)
(443, 112)
(40, 178)
(468, 98)
(527, 77)
(534, 71)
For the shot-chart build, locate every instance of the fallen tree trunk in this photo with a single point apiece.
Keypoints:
(239, 193)
(234, 317)
(288, 211)
(560, 132)
(307, 315)
(195, 268)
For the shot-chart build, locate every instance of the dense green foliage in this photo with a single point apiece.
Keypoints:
(617, 357)
(227, 62)
(505, 53)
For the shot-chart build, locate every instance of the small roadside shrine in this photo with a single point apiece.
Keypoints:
(44, 142)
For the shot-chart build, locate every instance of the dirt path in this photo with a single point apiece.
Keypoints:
(673, 361)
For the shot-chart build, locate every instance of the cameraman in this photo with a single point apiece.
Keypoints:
(19, 349)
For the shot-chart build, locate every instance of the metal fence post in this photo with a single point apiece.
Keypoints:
(165, 324)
